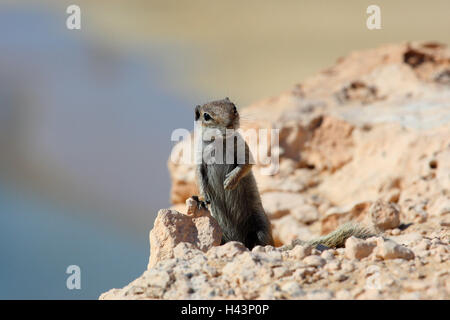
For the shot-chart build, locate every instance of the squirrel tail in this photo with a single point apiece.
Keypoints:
(336, 238)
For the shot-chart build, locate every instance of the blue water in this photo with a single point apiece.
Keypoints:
(39, 241)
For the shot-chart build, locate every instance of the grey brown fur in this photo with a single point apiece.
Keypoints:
(231, 190)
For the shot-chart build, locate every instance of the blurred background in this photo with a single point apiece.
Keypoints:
(86, 115)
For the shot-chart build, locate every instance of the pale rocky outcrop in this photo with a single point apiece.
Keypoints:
(384, 215)
(198, 228)
(367, 140)
(376, 248)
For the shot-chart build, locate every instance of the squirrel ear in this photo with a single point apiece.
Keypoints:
(228, 99)
(197, 113)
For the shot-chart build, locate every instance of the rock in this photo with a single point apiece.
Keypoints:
(388, 249)
(331, 144)
(192, 208)
(373, 269)
(367, 140)
(287, 229)
(357, 248)
(440, 207)
(418, 214)
(172, 227)
(279, 204)
(328, 255)
(333, 265)
(182, 172)
(423, 245)
(336, 216)
(293, 289)
(228, 250)
(443, 169)
(300, 252)
(113, 294)
(410, 296)
(271, 257)
(280, 272)
(314, 261)
(344, 295)
(384, 215)
(348, 266)
(320, 295)
(258, 249)
(186, 249)
(305, 214)
(408, 239)
(157, 278)
(445, 223)
(339, 277)
(416, 286)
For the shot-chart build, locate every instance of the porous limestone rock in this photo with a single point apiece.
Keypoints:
(171, 228)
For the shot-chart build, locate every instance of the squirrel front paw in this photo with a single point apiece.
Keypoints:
(230, 182)
(200, 204)
(195, 206)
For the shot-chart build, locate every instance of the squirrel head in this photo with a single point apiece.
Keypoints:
(219, 114)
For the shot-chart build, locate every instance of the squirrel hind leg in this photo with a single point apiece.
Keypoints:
(260, 237)
(264, 238)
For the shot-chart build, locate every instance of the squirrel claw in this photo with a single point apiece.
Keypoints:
(229, 183)
(200, 204)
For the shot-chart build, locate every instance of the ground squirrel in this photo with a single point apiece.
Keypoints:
(230, 189)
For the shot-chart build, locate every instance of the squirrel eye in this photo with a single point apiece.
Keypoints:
(207, 117)
(234, 110)
(197, 115)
